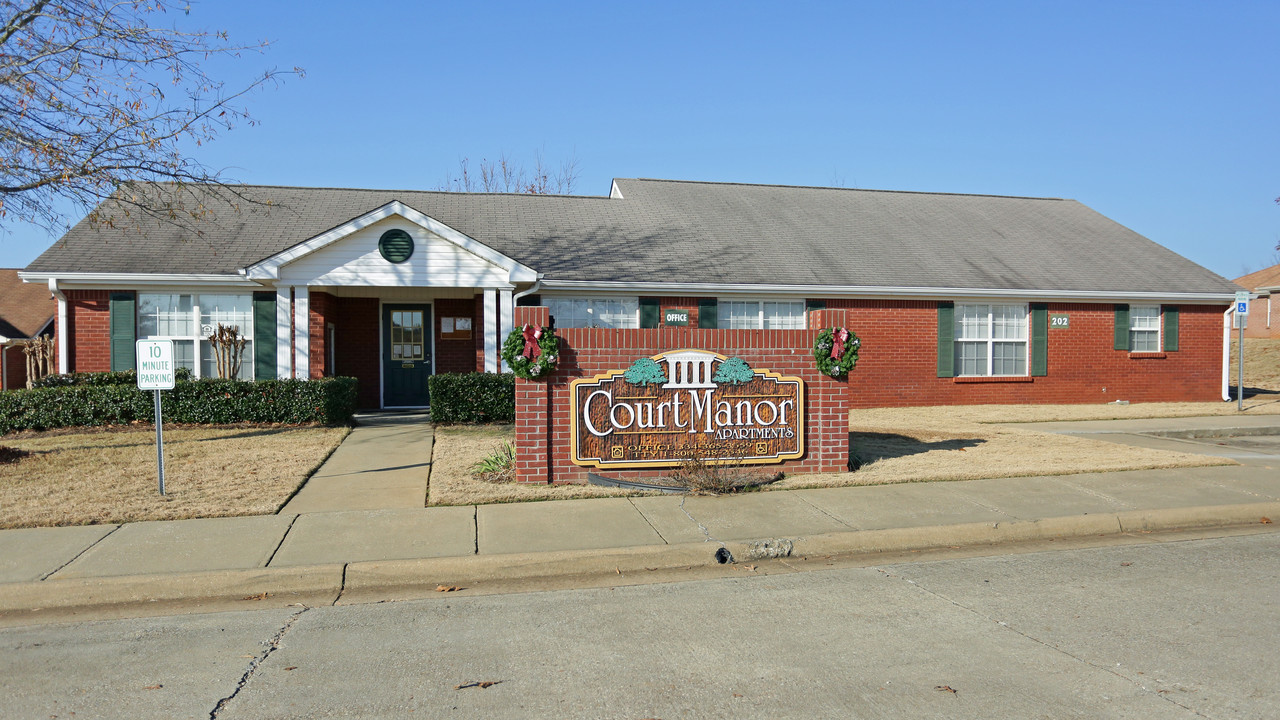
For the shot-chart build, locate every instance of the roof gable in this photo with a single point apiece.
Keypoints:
(25, 309)
(319, 260)
(1264, 279)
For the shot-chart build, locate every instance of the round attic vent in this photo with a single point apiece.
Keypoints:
(396, 246)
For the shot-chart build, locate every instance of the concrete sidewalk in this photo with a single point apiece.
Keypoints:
(345, 539)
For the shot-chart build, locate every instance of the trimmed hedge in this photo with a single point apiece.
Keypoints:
(119, 377)
(473, 398)
(328, 400)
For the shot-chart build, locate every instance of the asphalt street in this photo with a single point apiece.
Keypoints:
(1171, 628)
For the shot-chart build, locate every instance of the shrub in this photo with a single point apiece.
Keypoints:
(99, 379)
(329, 400)
(473, 398)
(498, 466)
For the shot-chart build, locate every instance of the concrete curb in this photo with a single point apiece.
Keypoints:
(214, 590)
(374, 581)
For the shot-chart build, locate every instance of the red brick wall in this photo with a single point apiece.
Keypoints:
(358, 344)
(15, 368)
(897, 365)
(543, 411)
(1257, 326)
(459, 356)
(321, 310)
(89, 322)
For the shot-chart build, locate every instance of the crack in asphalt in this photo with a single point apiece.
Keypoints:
(271, 644)
(1042, 643)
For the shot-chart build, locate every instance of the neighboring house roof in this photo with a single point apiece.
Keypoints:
(25, 309)
(676, 232)
(1264, 279)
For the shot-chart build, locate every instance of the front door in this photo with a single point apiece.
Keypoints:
(406, 355)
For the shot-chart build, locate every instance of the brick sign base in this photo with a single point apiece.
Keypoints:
(546, 418)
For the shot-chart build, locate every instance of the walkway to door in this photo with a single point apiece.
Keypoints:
(382, 465)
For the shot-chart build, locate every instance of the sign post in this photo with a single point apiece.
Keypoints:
(156, 372)
(1242, 319)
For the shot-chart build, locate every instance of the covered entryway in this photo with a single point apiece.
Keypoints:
(406, 355)
(389, 298)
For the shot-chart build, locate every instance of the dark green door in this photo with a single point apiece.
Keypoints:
(406, 355)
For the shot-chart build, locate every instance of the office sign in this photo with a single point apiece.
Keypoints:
(686, 404)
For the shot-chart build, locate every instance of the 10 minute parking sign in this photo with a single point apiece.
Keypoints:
(155, 365)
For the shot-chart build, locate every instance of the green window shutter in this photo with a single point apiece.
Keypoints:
(1122, 327)
(264, 336)
(1170, 313)
(1039, 339)
(649, 312)
(946, 339)
(124, 318)
(708, 313)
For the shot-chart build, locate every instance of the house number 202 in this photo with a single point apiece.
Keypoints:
(1059, 321)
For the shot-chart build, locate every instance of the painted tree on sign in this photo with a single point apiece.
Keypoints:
(645, 371)
(734, 371)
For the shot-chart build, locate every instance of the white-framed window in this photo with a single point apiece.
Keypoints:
(189, 319)
(1144, 328)
(991, 340)
(761, 314)
(594, 312)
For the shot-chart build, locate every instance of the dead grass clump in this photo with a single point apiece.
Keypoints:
(702, 477)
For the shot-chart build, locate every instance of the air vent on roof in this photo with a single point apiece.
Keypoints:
(396, 246)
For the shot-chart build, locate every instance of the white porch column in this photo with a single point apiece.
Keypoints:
(302, 333)
(490, 330)
(284, 328)
(64, 350)
(504, 321)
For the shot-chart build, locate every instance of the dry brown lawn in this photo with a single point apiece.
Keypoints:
(971, 442)
(1261, 363)
(458, 447)
(897, 445)
(92, 476)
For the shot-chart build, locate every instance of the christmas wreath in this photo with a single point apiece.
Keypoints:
(531, 352)
(836, 351)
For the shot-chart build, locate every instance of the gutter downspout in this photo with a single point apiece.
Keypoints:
(515, 299)
(1226, 353)
(63, 358)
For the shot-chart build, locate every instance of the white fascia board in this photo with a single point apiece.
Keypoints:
(851, 291)
(615, 193)
(114, 280)
(269, 269)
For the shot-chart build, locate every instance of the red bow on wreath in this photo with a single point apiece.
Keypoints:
(838, 339)
(531, 336)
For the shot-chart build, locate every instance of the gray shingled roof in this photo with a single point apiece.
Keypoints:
(694, 232)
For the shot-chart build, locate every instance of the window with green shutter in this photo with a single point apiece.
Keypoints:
(1170, 337)
(124, 319)
(1039, 339)
(649, 312)
(946, 339)
(708, 313)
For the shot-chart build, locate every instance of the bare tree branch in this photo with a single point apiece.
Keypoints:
(98, 97)
(505, 175)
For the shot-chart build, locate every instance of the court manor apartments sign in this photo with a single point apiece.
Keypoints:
(685, 404)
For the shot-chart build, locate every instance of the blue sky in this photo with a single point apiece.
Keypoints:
(1160, 115)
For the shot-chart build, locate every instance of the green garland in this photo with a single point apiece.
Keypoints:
(539, 367)
(835, 367)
